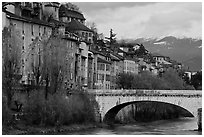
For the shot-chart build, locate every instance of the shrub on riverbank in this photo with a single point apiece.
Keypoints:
(6, 112)
(59, 109)
(170, 80)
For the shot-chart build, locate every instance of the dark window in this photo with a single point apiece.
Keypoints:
(107, 77)
(22, 61)
(39, 31)
(32, 30)
(107, 67)
(44, 29)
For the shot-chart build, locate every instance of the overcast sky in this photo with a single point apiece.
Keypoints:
(137, 19)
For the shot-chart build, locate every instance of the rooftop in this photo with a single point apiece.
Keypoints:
(103, 61)
(117, 55)
(76, 25)
(64, 12)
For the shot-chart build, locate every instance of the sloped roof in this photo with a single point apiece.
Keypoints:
(64, 12)
(94, 51)
(103, 61)
(58, 23)
(76, 25)
(114, 57)
(132, 59)
(117, 55)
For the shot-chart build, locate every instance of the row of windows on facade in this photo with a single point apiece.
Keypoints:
(102, 86)
(69, 19)
(85, 34)
(131, 68)
(32, 29)
(102, 77)
(101, 66)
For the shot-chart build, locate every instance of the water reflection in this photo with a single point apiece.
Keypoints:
(184, 126)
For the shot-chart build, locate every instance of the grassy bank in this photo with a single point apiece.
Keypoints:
(22, 129)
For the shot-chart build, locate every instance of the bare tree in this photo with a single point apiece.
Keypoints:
(51, 63)
(11, 57)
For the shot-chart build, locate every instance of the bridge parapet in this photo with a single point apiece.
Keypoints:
(146, 92)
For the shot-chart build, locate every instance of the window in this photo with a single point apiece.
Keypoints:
(82, 33)
(23, 32)
(107, 67)
(101, 66)
(71, 44)
(39, 31)
(101, 77)
(89, 34)
(107, 77)
(32, 31)
(44, 29)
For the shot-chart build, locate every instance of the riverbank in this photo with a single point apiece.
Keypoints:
(37, 130)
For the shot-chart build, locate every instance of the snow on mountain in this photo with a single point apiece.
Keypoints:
(183, 50)
(159, 43)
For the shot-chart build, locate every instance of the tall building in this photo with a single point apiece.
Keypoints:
(75, 24)
(32, 20)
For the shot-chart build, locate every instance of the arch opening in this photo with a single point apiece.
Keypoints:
(145, 111)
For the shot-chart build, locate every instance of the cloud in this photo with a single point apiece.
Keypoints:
(132, 20)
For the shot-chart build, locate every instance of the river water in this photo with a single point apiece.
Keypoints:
(183, 126)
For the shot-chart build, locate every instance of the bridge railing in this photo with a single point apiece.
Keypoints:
(146, 92)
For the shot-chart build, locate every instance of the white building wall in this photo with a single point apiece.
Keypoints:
(26, 27)
(4, 22)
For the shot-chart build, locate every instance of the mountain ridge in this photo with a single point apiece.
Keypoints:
(184, 50)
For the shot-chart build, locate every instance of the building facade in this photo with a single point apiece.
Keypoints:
(34, 20)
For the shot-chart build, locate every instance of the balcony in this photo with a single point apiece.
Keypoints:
(72, 36)
(85, 39)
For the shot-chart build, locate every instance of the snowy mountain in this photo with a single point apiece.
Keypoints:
(185, 50)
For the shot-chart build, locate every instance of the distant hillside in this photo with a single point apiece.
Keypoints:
(185, 50)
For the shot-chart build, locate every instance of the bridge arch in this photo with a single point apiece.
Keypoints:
(112, 112)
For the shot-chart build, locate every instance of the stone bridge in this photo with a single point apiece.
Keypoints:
(112, 101)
